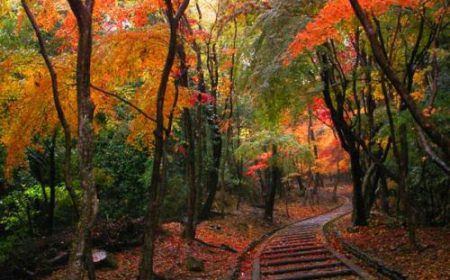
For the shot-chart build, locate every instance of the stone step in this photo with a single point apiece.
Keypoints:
(293, 255)
(296, 261)
(294, 249)
(313, 275)
(303, 268)
(290, 245)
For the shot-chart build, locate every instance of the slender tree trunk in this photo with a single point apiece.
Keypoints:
(301, 186)
(406, 202)
(52, 183)
(151, 219)
(336, 182)
(384, 192)
(370, 184)
(359, 217)
(216, 136)
(61, 115)
(315, 176)
(286, 201)
(200, 155)
(273, 186)
(347, 139)
(213, 172)
(80, 259)
(189, 231)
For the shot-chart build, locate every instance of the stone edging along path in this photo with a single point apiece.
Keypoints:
(342, 207)
(369, 260)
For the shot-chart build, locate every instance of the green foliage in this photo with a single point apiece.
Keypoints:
(289, 149)
(119, 172)
(263, 72)
(7, 246)
(24, 209)
(174, 203)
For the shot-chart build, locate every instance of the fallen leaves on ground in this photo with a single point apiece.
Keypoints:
(236, 231)
(388, 241)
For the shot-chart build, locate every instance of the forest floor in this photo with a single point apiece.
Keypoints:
(234, 232)
(386, 240)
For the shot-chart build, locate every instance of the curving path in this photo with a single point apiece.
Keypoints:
(299, 252)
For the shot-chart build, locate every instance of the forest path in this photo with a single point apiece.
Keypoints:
(300, 252)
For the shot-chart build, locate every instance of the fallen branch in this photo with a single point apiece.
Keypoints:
(222, 246)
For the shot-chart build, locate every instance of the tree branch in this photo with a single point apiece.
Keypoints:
(429, 151)
(116, 96)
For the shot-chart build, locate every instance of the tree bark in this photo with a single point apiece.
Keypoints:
(405, 194)
(384, 192)
(359, 217)
(347, 139)
(80, 259)
(189, 231)
(273, 186)
(52, 183)
(213, 172)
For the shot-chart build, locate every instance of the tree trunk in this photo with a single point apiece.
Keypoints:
(216, 136)
(384, 192)
(81, 257)
(316, 177)
(359, 217)
(273, 185)
(336, 182)
(189, 231)
(347, 139)
(151, 219)
(370, 184)
(213, 172)
(405, 196)
(301, 186)
(52, 183)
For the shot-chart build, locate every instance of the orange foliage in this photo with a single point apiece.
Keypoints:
(108, 16)
(31, 110)
(330, 153)
(323, 27)
(120, 61)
